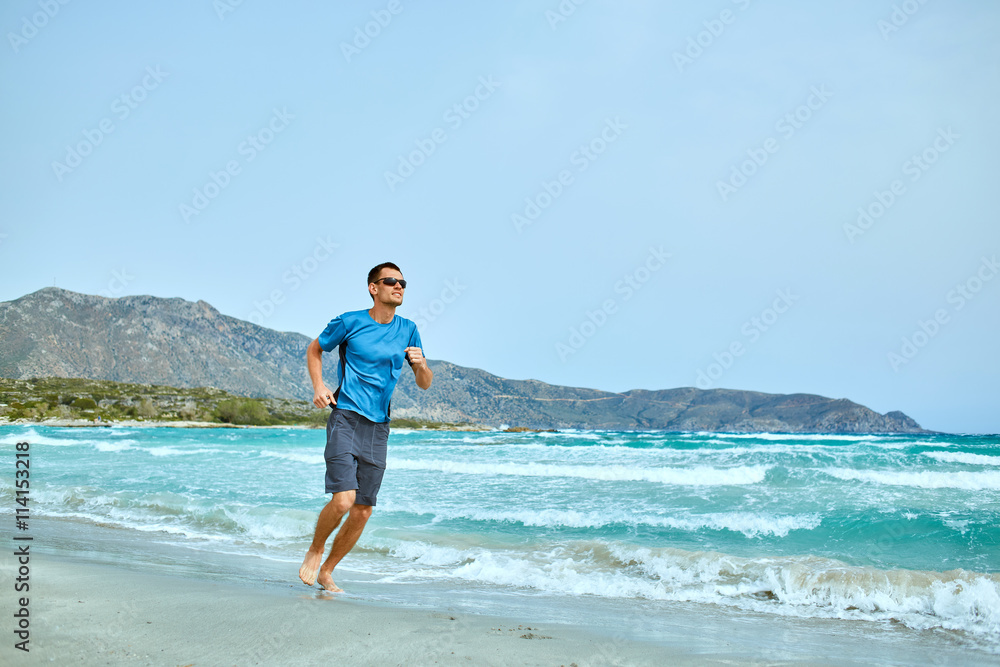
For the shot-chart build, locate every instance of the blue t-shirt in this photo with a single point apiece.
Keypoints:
(371, 357)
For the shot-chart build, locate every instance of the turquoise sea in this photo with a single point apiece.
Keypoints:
(880, 529)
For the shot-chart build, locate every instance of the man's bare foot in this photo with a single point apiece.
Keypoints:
(310, 565)
(325, 580)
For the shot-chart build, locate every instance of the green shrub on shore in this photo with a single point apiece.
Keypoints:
(147, 410)
(84, 404)
(243, 411)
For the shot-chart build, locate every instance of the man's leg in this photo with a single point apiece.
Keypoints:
(345, 540)
(328, 520)
(369, 450)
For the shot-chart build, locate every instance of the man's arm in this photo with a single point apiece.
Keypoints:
(322, 396)
(421, 371)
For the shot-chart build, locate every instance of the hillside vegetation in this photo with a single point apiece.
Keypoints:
(41, 399)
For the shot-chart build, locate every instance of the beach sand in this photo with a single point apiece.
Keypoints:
(107, 596)
(89, 614)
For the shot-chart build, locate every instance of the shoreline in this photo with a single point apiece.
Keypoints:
(132, 423)
(97, 613)
(102, 594)
(92, 601)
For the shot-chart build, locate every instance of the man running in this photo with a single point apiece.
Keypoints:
(373, 345)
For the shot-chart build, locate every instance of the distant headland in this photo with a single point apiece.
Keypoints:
(188, 347)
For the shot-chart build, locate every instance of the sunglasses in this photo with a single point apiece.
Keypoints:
(391, 282)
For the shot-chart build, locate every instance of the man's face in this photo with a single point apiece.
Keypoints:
(389, 295)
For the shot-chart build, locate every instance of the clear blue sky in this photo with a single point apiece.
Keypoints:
(677, 183)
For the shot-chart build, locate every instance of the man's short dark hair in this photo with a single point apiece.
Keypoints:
(373, 274)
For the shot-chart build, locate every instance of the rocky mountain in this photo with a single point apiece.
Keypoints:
(469, 394)
(151, 340)
(148, 340)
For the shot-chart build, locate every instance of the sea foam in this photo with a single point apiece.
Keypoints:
(964, 457)
(749, 524)
(968, 481)
(805, 586)
(692, 476)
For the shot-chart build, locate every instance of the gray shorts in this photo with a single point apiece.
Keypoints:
(355, 454)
